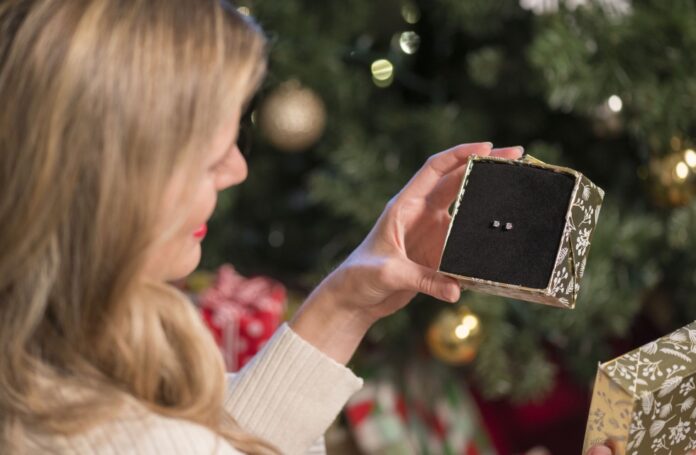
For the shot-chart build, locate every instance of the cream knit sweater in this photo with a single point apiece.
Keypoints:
(288, 395)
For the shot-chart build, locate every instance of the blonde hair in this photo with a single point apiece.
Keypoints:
(101, 102)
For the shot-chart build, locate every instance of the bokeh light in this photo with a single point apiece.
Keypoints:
(409, 42)
(615, 103)
(382, 72)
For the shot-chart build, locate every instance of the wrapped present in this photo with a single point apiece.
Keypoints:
(242, 313)
(377, 417)
(522, 229)
(645, 400)
(430, 413)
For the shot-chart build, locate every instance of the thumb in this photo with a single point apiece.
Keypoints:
(428, 281)
(599, 450)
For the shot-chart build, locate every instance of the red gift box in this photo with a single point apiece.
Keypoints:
(242, 313)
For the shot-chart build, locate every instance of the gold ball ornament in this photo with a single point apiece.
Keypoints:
(454, 336)
(672, 178)
(292, 117)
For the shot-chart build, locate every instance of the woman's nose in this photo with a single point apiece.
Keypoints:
(233, 172)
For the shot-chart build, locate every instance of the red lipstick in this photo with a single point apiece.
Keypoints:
(201, 231)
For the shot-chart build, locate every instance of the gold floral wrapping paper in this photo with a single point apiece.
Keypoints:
(645, 400)
(581, 219)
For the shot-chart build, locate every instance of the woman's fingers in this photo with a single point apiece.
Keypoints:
(511, 153)
(599, 450)
(447, 189)
(440, 164)
(418, 278)
(444, 193)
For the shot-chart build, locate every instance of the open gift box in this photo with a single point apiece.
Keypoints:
(522, 229)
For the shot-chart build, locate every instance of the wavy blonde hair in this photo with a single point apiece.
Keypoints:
(102, 101)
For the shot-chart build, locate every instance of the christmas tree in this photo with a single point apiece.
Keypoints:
(360, 93)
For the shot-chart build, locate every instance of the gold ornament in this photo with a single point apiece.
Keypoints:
(293, 117)
(454, 335)
(673, 177)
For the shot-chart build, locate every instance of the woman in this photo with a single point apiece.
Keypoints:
(117, 131)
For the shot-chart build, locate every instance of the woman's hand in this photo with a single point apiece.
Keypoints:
(610, 450)
(400, 255)
(600, 450)
(397, 259)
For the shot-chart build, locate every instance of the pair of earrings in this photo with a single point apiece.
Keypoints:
(496, 224)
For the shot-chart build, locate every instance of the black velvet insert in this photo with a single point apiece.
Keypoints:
(534, 200)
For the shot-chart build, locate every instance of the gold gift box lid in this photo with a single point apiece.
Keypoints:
(658, 366)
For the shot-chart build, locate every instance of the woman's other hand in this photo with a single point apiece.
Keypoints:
(600, 450)
(609, 450)
(397, 259)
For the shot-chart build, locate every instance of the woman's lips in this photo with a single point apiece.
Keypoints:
(201, 231)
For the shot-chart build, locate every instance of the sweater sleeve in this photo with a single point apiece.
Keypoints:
(144, 433)
(290, 392)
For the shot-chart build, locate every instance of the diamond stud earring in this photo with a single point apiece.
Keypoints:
(495, 224)
(508, 226)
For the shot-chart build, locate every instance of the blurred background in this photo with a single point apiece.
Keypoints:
(360, 92)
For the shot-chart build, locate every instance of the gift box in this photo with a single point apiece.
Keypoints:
(644, 400)
(242, 313)
(522, 229)
(426, 411)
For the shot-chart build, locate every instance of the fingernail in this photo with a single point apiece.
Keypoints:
(452, 293)
(600, 450)
(519, 147)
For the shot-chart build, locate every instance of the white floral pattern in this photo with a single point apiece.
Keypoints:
(658, 381)
(580, 224)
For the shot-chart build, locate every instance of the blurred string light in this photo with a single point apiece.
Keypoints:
(673, 175)
(410, 12)
(607, 121)
(613, 8)
(685, 167)
(615, 103)
(409, 42)
(382, 72)
(540, 6)
(681, 170)
(468, 324)
(690, 158)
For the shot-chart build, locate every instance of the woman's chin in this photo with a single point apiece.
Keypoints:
(185, 264)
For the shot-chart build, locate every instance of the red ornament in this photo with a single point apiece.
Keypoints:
(242, 313)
